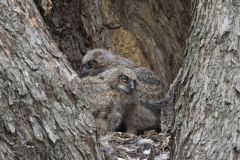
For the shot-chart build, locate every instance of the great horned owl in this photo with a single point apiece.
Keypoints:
(109, 96)
(150, 89)
(126, 107)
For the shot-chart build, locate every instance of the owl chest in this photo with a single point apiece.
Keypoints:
(103, 100)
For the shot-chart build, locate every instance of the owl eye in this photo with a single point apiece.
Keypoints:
(123, 78)
(92, 64)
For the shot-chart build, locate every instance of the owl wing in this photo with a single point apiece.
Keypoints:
(149, 77)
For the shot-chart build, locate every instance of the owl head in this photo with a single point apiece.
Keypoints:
(120, 78)
(99, 60)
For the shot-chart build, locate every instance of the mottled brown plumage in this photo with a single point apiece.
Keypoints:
(127, 107)
(150, 90)
(109, 96)
(150, 87)
(138, 119)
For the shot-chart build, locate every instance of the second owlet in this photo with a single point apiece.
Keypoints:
(150, 89)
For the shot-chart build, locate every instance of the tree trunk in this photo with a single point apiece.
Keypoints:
(207, 110)
(40, 117)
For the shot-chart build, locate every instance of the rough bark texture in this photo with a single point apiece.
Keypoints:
(40, 117)
(151, 33)
(207, 112)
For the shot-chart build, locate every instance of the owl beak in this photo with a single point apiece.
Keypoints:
(84, 73)
(131, 86)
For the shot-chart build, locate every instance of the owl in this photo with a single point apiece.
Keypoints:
(150, 90)
(112, 98)
(109, 96)
(126, 107)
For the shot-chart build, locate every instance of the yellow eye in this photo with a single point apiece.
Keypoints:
(123, 78)
(92, 64)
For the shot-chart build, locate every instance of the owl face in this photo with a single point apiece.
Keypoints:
(90, 68)
(96, 61)
(120, 78)
(126, 84)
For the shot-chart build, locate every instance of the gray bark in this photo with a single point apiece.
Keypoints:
(40, 117)
(207, 110)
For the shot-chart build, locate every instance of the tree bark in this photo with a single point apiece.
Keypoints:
(207, 110)
(42, 119)
(40, 116)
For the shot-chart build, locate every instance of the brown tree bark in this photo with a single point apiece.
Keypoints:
(207, 111)
(40, 116)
